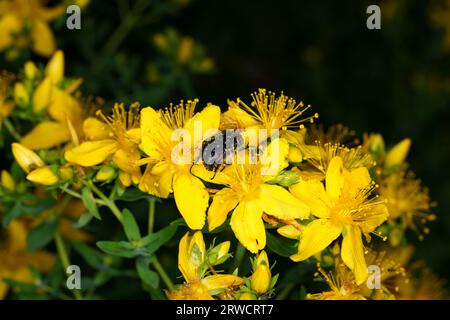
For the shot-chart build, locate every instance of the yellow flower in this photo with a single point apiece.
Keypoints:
(26, 158)
(16, 14)
(247, 194)
(118, 137)
(407, 200)
(169, 170)
(267, 111)
(342, 207)
(64, 110)
(342, 284)
(15, 259)
(191, 259)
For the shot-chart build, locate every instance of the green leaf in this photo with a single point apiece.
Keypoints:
(154, 241)
(121, 249)
(15, 212)
(89, 202)
(131, 228)
(281, 246)
(92, 256)
(149, 277)
(83, 220)
(42, 235)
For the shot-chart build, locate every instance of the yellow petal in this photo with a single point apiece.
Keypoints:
(247, 225)
(274, 158)
(352, 253)
(334, 178)
(3, 286)
(64, 107)
(317, 235)
(55, 67)
(277, 201)
(260, 279)
(44, 176)
(95, 129)
(26, 158)
(7, 181)
(398, 153)
(223, 202)
(191, 254)
(20, 93)
(42, 260)
(222, 281)
(16, 236)
(209, 119)
(237, 118)
(46, 135)
(42, 95)
(43, 39)
(289, 231)
(91, 153)
(154, 132)
(191, 198)
(312, 193)
(9, 24)
(357, 179)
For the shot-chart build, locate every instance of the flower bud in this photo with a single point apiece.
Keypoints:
(106, 173)
(289, 231)
(55, 67)
(294, 155)
(26, 158)
(43, 175)
(247, 296)
(30, 70)
(185, 50)
(260, 279)
(398, 153)
(286, 178)
(42, 95)
(125, 179)
(7, 181)
(21, 96)
(65, 173)
(219, 254)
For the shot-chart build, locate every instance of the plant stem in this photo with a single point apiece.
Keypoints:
(162, 273)
(285, 292)
(64, 257)
(151, 215)
(108, 202)
(9, 126)
(240, 253)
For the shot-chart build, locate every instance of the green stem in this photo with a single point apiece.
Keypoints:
(78, 195)
(128, 22)
(9, 126)
(108, 202)
(162, 273)
(64, 257)
(151, 215)
(285, 292)
(240, 253)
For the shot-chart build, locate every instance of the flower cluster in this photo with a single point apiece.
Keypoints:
(261, 169)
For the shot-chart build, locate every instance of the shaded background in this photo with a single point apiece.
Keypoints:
(395, 81)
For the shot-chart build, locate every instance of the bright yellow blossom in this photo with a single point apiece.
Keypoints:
(248, 196)
(118, 137)
(169, 171)
(342, 207)
(191, 259)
